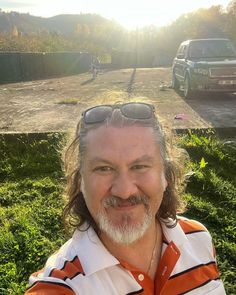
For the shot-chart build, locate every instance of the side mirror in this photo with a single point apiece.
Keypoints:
(180, 55)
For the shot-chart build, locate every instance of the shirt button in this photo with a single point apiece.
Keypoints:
(141, 277)
(164, 271)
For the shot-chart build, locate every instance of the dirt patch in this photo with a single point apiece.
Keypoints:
(55, 104)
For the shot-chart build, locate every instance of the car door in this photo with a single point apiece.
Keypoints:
(180, 62)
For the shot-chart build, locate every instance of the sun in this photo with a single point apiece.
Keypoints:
(130, 14)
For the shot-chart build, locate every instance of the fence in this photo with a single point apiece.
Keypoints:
(141, 59)
(16, 66)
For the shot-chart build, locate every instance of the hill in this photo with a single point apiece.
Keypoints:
(63, 24)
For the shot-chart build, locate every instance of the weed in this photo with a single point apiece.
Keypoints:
(72, 101)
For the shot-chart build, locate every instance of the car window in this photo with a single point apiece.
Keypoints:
(182, 50)
(185, 50)
(211, 49)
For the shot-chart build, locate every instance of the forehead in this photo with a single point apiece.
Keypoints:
(129, 141)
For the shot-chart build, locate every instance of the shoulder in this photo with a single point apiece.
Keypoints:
(60, 269)
(196, 267)
(188, 233)
(190, 225)
(197, 235)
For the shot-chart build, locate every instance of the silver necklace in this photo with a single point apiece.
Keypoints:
(153, 255)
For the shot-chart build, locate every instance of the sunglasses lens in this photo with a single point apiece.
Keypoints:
(137, 111)
(97, 114)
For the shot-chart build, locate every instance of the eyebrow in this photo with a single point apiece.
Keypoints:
(144, 158)
(98, 160)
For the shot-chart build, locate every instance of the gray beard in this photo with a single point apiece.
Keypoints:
(126, 233)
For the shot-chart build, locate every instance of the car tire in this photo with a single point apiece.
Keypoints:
(175, 82)
(188, 93)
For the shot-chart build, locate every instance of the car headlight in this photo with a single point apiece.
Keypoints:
(201, 71)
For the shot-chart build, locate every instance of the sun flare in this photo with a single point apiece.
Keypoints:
(130, 14)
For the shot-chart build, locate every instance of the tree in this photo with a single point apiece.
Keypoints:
(231, 20)
(15, 32)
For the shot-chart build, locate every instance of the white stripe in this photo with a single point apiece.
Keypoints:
(212, 288)
(34, 279)
(197, 251)
(112, 281)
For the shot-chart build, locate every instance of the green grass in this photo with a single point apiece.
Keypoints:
(211, 196)
(31, 206)
(31, 202)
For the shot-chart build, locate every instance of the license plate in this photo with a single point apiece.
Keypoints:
(227, 82)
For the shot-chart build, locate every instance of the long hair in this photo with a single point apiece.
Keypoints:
(76, 213)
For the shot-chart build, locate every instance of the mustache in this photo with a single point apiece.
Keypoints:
(114, 201)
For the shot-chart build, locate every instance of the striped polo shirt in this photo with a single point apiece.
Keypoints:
(83, 266)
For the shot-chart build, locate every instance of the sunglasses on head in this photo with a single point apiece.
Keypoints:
(131, 110)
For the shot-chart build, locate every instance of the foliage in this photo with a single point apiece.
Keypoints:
(211, 195)
(31, 187)
(87, 33)
(24, 156)
(30, 207)
(98, 36)
(231, 20)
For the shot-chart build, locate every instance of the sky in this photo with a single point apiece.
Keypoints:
(130, 14)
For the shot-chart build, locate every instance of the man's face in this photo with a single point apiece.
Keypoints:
(122, 180)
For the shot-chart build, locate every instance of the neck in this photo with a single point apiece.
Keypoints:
(143, 254)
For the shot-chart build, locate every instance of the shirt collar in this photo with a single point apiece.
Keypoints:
(173, 233)
(92, 254)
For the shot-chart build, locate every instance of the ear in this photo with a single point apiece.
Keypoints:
(164, 181)
(82, 185)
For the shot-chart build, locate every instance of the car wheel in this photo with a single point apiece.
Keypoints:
(175, 82)
(188, 93)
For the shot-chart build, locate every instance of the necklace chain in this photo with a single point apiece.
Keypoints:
(153, 255)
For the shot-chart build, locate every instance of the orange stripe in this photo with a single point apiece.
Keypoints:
(41, 288)
(189, 226)
(69, 270)
(166, 265)
(147, 284)
(190, 279)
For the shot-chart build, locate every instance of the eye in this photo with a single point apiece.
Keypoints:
(103, 169)
(139, 167)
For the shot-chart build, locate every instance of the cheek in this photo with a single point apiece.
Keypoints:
(154, 182)
(93, 192)
(87, 193)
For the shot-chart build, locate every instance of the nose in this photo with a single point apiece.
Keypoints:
(123, 186)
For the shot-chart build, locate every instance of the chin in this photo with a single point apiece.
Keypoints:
(126, 230)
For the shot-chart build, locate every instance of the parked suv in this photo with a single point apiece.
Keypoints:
(205, 65)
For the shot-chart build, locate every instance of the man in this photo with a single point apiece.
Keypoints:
(94, 67)
(123, 202)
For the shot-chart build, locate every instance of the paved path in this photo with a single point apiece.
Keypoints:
(55, 104)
